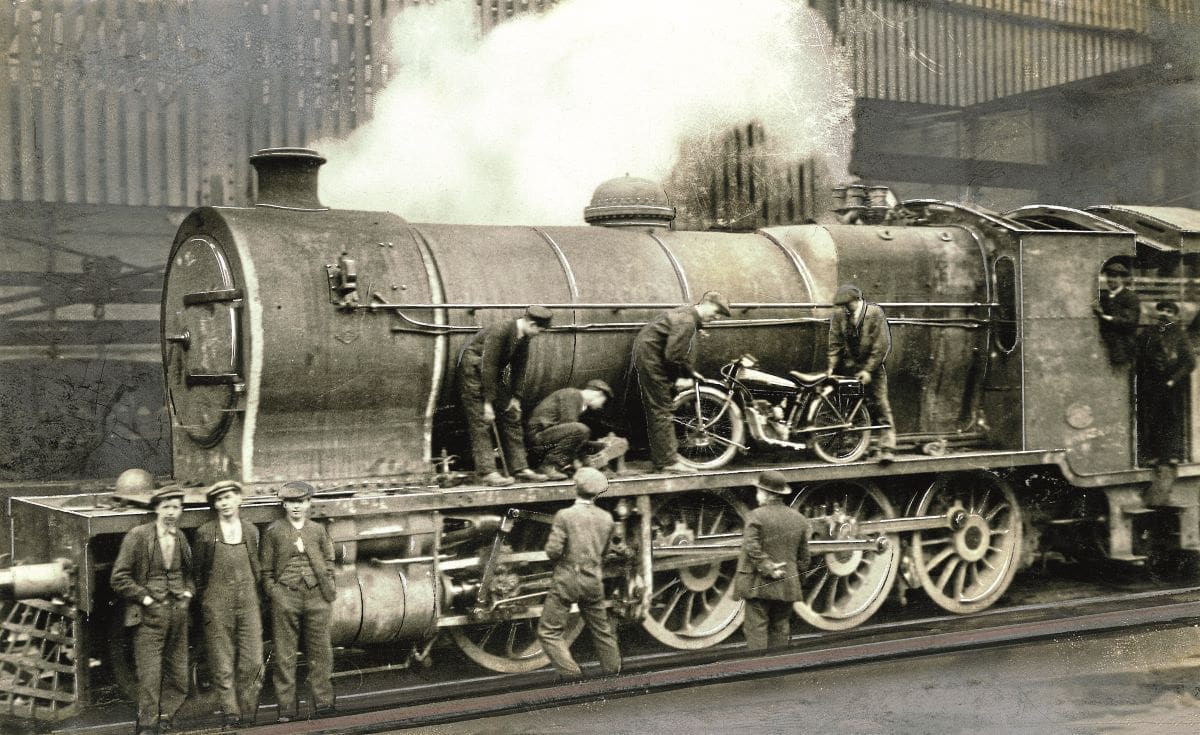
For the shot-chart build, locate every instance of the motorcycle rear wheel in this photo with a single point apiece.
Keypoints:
(839, 446)
(709, 437)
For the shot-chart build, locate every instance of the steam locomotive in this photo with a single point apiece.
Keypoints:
(303, 343)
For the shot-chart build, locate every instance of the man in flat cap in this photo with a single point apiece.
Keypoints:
(1118, 312)
(297, 575)
(482, 389)
(774, 554)
(1165, 364)
(227, 578)
(153, 574)
(664, 359)
(580, 536)
(859, 343)
(555, 432)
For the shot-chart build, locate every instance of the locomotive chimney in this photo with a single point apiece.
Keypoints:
(287, 178)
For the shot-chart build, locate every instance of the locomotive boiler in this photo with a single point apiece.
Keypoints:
(303, 343)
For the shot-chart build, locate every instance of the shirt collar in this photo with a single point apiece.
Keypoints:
(583, 501)
(160, 530)
(1117, 290)
(294, 525)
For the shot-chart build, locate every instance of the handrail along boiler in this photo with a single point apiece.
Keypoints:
(304, 343)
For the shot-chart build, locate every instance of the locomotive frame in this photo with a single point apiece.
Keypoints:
(1028, 438)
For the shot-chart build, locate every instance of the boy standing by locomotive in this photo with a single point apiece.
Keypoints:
(579, 539)
(481, 384)
(153, 573)
(227, 577)
(664, 358)
(297, 574)
(1165, 365)
(774, 554)
(859, 343)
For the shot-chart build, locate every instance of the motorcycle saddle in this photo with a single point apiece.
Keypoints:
(807, 378)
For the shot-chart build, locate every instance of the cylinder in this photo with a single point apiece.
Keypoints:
(383, 603)
(33, 581)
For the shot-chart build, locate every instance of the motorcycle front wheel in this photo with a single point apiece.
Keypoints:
(710, 432)
(846, 443)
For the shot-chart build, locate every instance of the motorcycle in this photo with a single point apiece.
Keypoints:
(818, 411)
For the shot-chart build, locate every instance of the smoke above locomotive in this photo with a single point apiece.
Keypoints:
(518, 126)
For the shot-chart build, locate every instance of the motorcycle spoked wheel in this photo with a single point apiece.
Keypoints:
(840, 446)
(709, 433)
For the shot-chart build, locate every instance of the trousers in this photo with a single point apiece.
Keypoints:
(768, 623)
(551, 631)
(233, 634)
(160, 653)
(302, 615)
(508, 421)
(559, 445)
(658, 401)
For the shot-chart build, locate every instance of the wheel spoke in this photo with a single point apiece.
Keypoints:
(944, 579)
(940, 557)
(816, 590)
(672, 583)
(960, 579)
(671, 605)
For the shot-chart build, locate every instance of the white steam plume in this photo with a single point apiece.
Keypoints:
(518, 127)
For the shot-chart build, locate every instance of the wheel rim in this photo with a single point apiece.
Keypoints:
(967, 569)
(702, 442)
(840, 447)
(842, 590)
(511, 646)
(693, 607)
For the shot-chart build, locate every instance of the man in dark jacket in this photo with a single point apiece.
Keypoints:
(555, 432)
(153, 574)
(859, 343)
(664, 358)
(774, 554)
(1119, 311)
(579, 539)
(482, 389)
(1165, 366)
(227, 578)
(297, 575)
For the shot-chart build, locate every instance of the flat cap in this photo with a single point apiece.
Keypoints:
(296, 490)
(600, 385)
(539, 315)
(773, 482)
(167, 493)
(1116, 269)
(214, 490)
(590, 482)
(847, 293)
(1170, 306)
(715, 297)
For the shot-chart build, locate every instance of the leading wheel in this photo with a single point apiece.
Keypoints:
(693, 607)
(510, 647)
(968, 569)
(844, 589)
(848, 442)
(708, 428)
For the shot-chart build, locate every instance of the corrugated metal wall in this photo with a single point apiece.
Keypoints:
(963, 52)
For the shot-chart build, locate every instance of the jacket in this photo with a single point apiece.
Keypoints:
(207, 538)
(563, 406)
(132, 567)
(277, 544)
(1166, 354)
(774, 534)
(669, 342)
(579, 538)
(863, 345)
(494, 348)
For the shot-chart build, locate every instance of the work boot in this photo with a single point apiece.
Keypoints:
(551, 472)
(885, 455)
(528, 475)
(495, 479)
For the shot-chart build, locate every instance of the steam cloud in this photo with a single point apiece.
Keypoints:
(519, 126)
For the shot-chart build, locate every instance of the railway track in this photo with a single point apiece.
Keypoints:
(421, 699)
